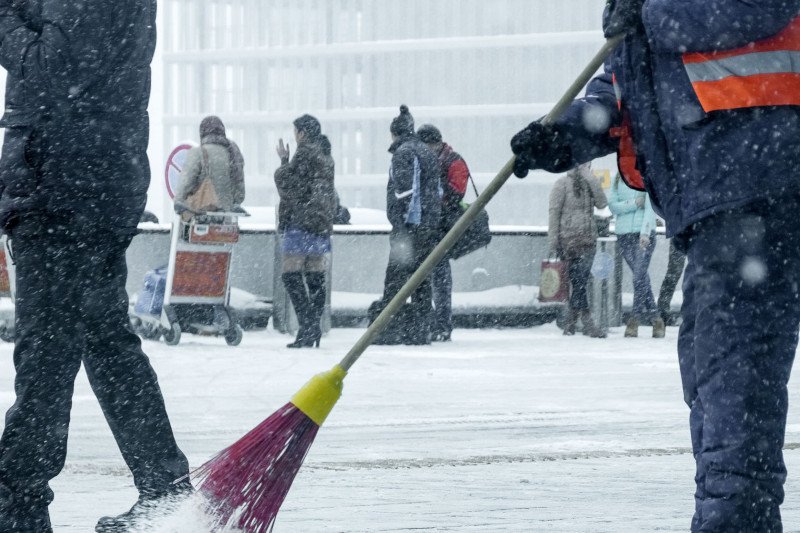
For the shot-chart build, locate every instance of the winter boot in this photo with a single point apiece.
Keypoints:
(571, 321)
(589, 327)
(145, 510)
(296, 289)
(632, 328)
(317, 295)
(659, 328)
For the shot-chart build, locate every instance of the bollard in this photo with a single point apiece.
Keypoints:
(605, 284)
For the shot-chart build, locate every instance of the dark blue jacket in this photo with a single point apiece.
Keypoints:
(414, 192)
(694, 164)
(76, 107)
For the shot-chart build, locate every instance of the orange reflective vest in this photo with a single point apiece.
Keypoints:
(763, 73)
(626, 152)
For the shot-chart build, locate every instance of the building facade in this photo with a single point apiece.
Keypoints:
(478, 69)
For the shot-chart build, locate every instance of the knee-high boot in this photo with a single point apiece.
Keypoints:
(296, 289)
(317, 294)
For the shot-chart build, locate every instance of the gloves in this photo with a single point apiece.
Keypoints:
(540, 146)
(622, 16)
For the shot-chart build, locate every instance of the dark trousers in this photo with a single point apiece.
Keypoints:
(72, 307)
(737, 343)
(579, 269)
(408, 248)
(675, 266)
(443, 297)
(638, 259)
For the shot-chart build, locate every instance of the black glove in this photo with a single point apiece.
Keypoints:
(540, 146)
(622, 16)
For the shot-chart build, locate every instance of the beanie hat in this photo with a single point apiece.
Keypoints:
(403, 124)
(429, 134)
(308, 125)
(212, 126)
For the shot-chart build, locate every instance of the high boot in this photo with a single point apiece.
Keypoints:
(589, 327)
(632, 329)
(571, 321)
(659, 328)
(296, 289)
(317, 295)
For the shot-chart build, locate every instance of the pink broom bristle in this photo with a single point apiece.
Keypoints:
(251, 478)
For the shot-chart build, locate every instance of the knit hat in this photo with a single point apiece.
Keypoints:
(212, 126)
(429, 134)
(403, 124)
(308, 125)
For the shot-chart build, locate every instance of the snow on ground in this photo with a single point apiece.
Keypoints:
(500, 430)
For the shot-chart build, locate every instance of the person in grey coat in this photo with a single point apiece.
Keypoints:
(573, 238)
(223, 162)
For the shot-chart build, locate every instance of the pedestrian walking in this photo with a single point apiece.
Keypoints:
(454, 178)
(572, 237)
(635, 226)
(306, 214)
(700, 102)
(74, 175)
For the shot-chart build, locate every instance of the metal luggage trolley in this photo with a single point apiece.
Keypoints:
(197, 295)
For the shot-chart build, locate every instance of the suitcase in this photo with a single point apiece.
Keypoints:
(151, 298)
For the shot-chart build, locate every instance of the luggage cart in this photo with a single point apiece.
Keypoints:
(197, 293)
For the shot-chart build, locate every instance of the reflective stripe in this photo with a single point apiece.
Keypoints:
(761, 74)
(746, 65)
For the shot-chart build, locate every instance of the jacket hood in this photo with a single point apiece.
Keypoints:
(401, 141)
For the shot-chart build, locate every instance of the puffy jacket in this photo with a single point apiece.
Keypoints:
(414, 192)
(573, 230)
(76, 107)
(628, 216)
(455, 174)
(694, 163)
(306, 187)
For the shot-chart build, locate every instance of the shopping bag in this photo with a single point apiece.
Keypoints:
(554, 282)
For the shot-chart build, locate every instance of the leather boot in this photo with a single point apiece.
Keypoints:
(659, 328)
(571, 321)
(317, 295)
(632, 329)
(589, 327)
(296, 289)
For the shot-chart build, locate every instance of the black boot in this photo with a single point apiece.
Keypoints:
(146, 508)
(296, 289)
(317, 295)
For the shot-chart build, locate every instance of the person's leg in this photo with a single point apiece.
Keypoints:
(644, 303)
(47, 356)
(421, 299)
(677, 260)
(295, 285)
(442, 282)
(629, 248)
(581, 268)
(317, 294)
(120, 373)
(746, 272)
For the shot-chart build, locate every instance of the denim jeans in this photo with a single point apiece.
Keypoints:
(638, 259)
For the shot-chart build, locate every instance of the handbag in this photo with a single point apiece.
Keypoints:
(205, 198)
(554, 282)
(478, 234)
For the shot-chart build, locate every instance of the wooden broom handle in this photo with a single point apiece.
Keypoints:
(466, 220)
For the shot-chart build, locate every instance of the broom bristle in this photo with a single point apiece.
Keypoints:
(251, 478)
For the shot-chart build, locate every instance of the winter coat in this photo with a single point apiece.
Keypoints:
(573, 230)
(629, 217)
(455, 174)
(221, 162)
(694, 164)
(76, 117)
(306, 188)
(413, 194)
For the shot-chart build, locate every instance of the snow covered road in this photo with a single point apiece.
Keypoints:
(500, 430)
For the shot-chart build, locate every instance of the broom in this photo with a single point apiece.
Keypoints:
(247, 483)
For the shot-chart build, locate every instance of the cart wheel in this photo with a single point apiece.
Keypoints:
(234, 335)
(173, 336)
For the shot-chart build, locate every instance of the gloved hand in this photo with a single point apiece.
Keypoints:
(622, 16)
(539, 146)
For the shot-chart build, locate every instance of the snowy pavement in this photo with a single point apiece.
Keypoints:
(499, 430)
